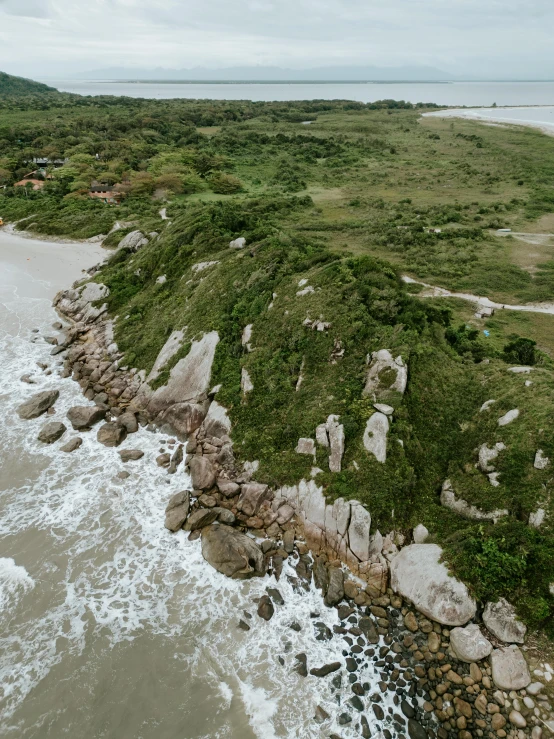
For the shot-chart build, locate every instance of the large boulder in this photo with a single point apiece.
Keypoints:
(182, 418)
(84, 417)
(253, 494)
(133, 241)
(501, 620)
(217, 423)
(469, 644)
(129, 420)
(200, 518)
(375, 436)
(111, 434)
(232, 553)
(335, 589)
(419, 576)
(202, 473)
(509, 668)
(37, 404)
(177, 510)
(51, 432)
(385, 375)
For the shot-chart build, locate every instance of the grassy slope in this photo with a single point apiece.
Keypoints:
(343, 203)
(10, 85)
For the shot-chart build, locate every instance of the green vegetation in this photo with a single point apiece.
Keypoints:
(19, 86)
(343, 206)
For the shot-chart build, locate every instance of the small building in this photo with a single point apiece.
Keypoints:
(46, 162)
(37, 184)
(106, 193)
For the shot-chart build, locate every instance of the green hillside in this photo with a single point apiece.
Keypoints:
(18, 86)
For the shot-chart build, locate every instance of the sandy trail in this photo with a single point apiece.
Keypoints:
(432, 291)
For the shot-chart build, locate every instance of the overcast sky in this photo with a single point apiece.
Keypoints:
(489, 38)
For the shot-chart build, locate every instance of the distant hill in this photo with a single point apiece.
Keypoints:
(17, 86)
(275, 74)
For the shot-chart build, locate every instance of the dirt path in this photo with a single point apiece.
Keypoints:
(440, 292)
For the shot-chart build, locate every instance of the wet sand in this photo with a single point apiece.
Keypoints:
(41, 268)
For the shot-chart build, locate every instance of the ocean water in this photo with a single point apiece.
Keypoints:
(110, 626)
(451, 93)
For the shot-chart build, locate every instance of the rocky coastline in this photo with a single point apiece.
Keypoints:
(453, 670)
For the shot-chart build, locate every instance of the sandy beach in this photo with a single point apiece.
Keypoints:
(50, 265)
(541, 118)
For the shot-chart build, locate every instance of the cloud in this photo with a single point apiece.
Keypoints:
(26, 8)
(466, 36)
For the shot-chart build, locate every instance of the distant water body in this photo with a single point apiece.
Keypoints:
(454, 93)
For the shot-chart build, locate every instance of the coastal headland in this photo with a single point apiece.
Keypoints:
(338, 424)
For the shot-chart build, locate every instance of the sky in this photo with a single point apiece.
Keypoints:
(491, 39)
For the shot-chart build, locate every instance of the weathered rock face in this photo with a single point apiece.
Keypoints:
(305, 446)
(177, 510)
(168, 350)
(375, 436)
(133, 241)
(469, 644)
(508, 417)
(217, 422)
(358, 531)
(232, 553)
(37, 404)
(418, 575)
(78, 303)
(246, 384)
(85, 416)
(488, 455)
(501, 620)
(189, 380)
(385, 374)
(420, 534)
(252, 495)
(509, 669)
(202, 473)
(541, 460)
(465, 509)
(111, 434)
(335, 431)
(51, 432)
(182, 418)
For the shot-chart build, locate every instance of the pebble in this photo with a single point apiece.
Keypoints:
(517, 719)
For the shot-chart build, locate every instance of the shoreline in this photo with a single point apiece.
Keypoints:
(470, 114)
